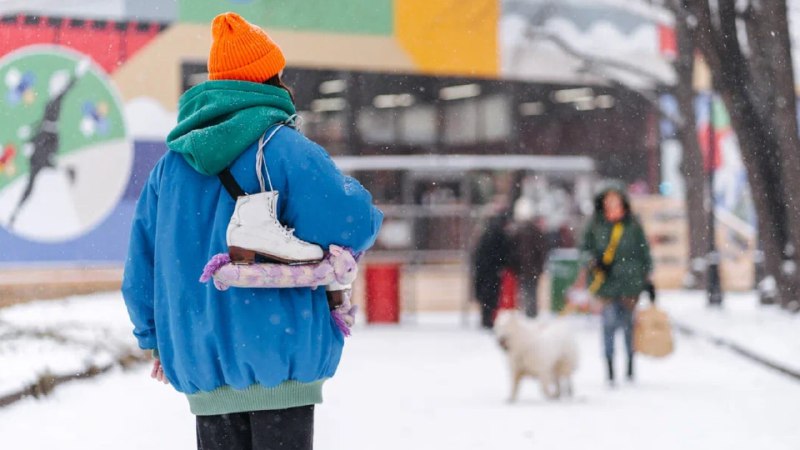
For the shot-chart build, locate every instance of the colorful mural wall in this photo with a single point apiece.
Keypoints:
(86, 103)
(66, 153)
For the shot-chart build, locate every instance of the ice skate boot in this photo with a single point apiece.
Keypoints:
(254, 229)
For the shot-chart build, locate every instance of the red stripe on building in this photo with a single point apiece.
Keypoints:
(109, 43)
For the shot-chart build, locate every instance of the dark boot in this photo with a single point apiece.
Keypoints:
(630, 368)
(487, 316)
(610, 362)
(71, 175)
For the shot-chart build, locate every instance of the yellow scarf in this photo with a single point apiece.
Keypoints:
(608, 257)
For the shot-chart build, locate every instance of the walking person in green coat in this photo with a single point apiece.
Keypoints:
(618, 263)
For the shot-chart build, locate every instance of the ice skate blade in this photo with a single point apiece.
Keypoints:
(243, 256)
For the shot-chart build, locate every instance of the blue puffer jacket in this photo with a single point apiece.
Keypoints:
(208, 339)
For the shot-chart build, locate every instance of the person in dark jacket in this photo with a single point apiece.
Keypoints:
(528, 254)
(489, 260)
(617, 258)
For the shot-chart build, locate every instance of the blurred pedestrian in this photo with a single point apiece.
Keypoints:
(566, 238)
(489, 260)
(251, 362)
(617, 259)
(528, 252)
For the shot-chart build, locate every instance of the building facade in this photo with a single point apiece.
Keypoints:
(371, 77)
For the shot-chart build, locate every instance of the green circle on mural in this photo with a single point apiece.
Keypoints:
(65, 157)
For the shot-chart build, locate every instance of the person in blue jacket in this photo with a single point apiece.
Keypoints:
(250, 361)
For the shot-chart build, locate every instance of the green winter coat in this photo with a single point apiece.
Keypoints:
(632, 263)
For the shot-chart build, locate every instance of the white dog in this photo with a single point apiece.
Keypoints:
(541, 349)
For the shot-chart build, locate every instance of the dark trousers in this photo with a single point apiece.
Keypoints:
(527, 296)
(284, 429)
(488, 307)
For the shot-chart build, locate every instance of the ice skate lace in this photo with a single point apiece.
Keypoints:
(293, 121)
(262, 161)
(288, 233)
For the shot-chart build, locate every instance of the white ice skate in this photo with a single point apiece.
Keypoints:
(254, 228)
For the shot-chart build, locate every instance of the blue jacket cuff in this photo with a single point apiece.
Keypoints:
(147, 342)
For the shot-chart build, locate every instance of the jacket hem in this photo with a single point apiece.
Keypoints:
(227, 400)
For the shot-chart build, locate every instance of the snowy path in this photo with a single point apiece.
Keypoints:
(767, 331)
(440, 386)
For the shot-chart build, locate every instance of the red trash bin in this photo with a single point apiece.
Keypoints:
(383, 293)
(508, 291)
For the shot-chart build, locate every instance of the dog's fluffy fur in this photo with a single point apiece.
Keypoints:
(541, 349)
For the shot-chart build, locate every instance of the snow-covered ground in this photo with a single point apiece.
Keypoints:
(60, 338)
(438, 385)
(767, 331)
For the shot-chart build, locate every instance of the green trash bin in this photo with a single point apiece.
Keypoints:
(563, 265)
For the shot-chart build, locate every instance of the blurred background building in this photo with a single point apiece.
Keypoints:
(583, 84)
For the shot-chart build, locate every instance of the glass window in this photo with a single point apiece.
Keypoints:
(495, 118)
(376, 126)
(418, 124)
(326, 129)
(460, 120)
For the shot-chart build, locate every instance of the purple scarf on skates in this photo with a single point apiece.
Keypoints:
(339, 266)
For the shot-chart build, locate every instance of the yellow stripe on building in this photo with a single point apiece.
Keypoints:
(155, 71)
(449, 37)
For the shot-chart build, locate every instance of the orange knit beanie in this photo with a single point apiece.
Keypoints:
(242, 51)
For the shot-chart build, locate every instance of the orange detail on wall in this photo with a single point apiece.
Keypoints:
(449, 37)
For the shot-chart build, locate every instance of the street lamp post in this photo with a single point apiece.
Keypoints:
(713, 285)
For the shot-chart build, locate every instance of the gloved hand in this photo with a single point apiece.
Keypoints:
(651, 291)
(344, 314)
(598, 264)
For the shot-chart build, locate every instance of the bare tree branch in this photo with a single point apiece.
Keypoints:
(597, 66)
